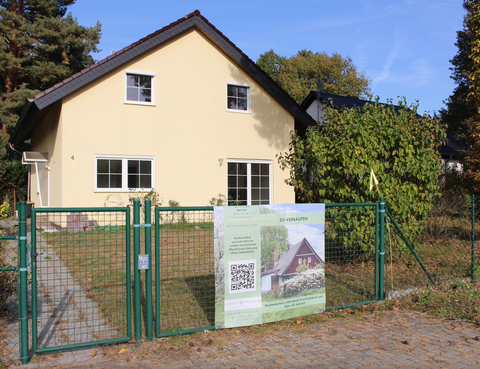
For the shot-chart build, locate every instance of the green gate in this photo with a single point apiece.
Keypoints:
(80, 277)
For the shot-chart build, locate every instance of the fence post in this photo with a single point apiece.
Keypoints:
(381, 252)
(157, 272)
(23, 271)
(377, 237)
(136, 271)
(148, 272)
(473, 238)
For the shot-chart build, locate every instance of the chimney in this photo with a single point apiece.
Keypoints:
(275, 257)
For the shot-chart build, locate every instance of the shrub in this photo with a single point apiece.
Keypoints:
(310, 279)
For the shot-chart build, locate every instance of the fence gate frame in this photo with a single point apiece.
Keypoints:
(29, 254)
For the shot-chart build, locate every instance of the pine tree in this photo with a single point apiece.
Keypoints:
(40, 46)
(458, 108)
(472, 162)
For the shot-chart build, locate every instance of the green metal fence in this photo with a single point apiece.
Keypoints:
(9, 324)
(81, 267)
(184, 270)
(77, 272)
(444, 243)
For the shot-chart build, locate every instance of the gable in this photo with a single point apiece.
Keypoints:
(33, 110)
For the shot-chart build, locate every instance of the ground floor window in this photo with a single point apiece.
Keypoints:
(249, 182)
(124, 173)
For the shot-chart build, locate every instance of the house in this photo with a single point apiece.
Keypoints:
(285, 268)
(451, 152)
(182, 111)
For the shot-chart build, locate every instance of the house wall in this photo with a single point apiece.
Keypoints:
(316, 111)
(47, 138)
(187, 130)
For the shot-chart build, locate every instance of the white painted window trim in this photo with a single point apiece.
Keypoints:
(249, 177)
(249, 100)
(125, 160)
(142, 73)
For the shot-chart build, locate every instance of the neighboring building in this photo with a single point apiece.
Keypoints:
(451, 152)
(182, 111)
(286, 267)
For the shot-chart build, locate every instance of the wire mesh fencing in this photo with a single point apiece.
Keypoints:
(351, 246)
(443, 240)
(81, 278)
(184, 270)
(9, 327)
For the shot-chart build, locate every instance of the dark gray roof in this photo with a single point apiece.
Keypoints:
(452, 147)
(338, 101)
(31, 115)
(289, 257)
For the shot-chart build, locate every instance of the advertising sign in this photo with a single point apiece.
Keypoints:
(269, 263)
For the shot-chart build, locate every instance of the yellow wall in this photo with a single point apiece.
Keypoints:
(187, 130)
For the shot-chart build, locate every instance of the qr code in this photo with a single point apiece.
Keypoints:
(242, 275)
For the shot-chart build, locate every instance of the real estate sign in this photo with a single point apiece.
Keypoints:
(269, 263)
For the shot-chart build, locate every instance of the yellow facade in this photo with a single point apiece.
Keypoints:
(186, 131)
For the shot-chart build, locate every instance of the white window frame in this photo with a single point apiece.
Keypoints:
(141, 73)
(237, 84)
(249, 177)
(124, 160)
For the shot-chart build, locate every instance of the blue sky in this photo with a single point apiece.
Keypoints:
(403, 46)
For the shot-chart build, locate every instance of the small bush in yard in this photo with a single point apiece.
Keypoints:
(8, 281)
(310, 279)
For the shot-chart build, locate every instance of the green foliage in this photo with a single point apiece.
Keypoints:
(152, 195)
(302, 267)
(458, 107)
(8, 281)
(471, 75)
(40, 47)
(272, 238)
(4, 210)
(219, 200)
(173, 203)
(298, 74)
(312, 279)
(334, 161)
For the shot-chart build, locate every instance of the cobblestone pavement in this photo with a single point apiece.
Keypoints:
(385, 339)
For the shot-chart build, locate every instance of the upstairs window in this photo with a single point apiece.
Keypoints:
(238, 97)
(140, 88)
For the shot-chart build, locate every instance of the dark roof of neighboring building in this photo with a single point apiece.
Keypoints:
(37, 108)
(452, 147)
(287, 258)
(338, 101)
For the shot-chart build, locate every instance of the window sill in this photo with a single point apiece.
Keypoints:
(138, 103)
(238, 111)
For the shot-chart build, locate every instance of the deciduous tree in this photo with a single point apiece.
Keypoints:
(40, 46)
(333, 163)
(298, 74)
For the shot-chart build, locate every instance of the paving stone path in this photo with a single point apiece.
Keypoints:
(391, 339)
